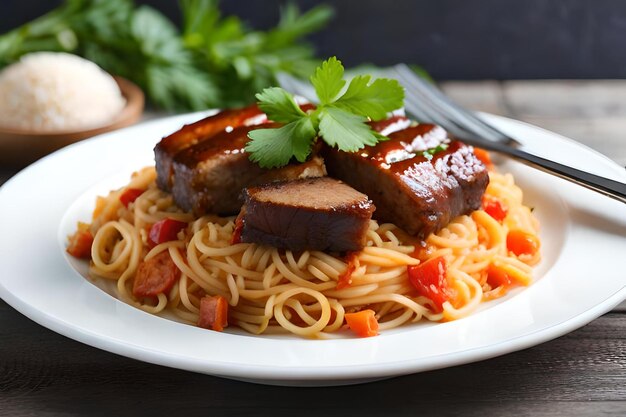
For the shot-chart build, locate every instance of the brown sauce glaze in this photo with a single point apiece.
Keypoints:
(227, 142)
(192, 134)
(203, 129)
(405, 148)
(390, 125)
(417, 192)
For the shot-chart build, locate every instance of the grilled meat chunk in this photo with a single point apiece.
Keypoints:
(205, 166)
(197, 132)
(209, 176)
(411, 179)
(316, 214)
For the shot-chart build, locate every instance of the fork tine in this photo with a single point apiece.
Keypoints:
(421, 107)
(437, 98)
(448, 113)
(422, 111)
(461, 117)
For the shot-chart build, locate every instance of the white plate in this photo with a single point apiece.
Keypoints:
(581, 277)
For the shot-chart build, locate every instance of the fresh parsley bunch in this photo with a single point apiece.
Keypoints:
(339, 119)
(243, 61)
(213, 61)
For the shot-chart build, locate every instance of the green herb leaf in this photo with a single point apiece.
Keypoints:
(279, 105)
(340, 122)
(328, 80)
(373, 100)
(151, 28)
(293, 24)
(347, 131)
(273, 148)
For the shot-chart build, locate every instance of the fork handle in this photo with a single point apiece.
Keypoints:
(606, 186)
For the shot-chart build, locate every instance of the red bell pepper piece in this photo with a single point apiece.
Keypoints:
(129, 195)
(165, 230)
(430, 280)
(494, 207)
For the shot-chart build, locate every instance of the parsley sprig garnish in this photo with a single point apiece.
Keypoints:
(339, 119)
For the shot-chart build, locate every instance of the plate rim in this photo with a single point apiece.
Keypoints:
(329, 373)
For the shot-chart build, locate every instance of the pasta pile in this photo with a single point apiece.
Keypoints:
(276, 291)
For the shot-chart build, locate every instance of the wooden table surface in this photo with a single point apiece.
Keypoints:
(582, 373)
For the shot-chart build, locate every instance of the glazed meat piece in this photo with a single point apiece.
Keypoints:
(197, 132)
(205, 166)
(413, 182)
(209, 176)
(316, 214)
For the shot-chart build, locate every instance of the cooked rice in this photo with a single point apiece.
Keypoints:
(53, 92)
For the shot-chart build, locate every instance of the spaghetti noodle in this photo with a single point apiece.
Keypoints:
(309, 293)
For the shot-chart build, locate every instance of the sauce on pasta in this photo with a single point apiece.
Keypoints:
(310, 293)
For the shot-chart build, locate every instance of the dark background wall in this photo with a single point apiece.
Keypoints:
(452, 39)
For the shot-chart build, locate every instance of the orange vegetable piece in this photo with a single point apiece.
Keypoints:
(522, 243)
(363, 323)
(80, 242)
(213, 312)
(484, 157)
(496, 277)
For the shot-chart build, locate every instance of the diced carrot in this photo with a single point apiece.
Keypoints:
(363, 323)
(80, 242)
(155, 276)
(213, 312)
(522, 243)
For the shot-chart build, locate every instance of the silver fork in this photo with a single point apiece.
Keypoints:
(425, 103)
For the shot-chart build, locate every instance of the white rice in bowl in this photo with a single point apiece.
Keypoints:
(52, 92)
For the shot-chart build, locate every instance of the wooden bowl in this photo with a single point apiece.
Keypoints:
(21, 147)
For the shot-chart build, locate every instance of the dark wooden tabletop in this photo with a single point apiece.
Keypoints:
(582, 373)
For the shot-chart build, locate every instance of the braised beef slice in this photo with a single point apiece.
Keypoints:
(209, 176)
(415, 192)
(314, 214)
(194, 133)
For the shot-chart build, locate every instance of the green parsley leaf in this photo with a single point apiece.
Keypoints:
(273, 148)
(346, 130)
(340, 122)
(279, 105)
(373, 100)
(328, 80)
